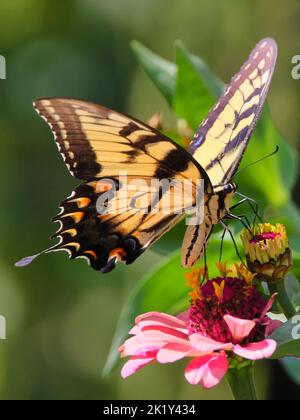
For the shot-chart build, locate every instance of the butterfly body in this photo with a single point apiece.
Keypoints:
(99, 145)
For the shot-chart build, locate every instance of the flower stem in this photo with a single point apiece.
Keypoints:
(283, 299)
(241, 382)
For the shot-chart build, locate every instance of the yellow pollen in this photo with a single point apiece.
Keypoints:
(243, 273)
(193, 280)
(219, 290)
(222, 267)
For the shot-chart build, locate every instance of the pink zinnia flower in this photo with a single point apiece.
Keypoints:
(227, 321)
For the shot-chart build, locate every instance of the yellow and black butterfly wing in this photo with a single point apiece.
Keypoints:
(98, 145)
(95, 141)
(131, 221)
(195, 241)
(221, 140)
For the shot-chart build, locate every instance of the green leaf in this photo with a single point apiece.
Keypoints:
(193, 98)
(293, 288)
(273, 178)
(171, 240)
(288, 342)
(292, 368)
(289, 215)
(160, 71)
(214, 84)
(296, 264)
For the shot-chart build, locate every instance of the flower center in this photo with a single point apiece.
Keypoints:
(225, 296)
(264, 237)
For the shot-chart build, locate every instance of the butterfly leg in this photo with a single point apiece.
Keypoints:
(205, 274)
(252, 204)
(222, 243)
(234, 242)
(243, 219)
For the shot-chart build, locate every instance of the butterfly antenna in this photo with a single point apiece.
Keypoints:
(259, 160)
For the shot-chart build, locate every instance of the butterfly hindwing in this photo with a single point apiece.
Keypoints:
(195, 242)
(221, 139)
(104, 223)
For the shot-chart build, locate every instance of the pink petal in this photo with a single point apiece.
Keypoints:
(207, 345)
(135, 364)
(164, 330)
(208, 370)
(268, 306)
(272, 326)
(135, 347)
(152, 338)
(172, 352)
(184, 316)
(135, 330)
(239, 328)
(256, 351)
(160, 318)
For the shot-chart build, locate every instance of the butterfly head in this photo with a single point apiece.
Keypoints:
(228, 192)
(225, 195)
(227, 189)
(230, 188)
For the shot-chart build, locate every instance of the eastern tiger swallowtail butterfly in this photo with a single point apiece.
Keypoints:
(96, 143)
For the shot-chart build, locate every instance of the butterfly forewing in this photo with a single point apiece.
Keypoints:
(96, 141)
(221, 140)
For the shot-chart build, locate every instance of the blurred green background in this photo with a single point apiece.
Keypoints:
(61, 316)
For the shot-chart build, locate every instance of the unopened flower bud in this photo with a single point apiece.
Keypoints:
(267, 252)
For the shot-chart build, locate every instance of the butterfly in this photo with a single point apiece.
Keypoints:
(97, 143)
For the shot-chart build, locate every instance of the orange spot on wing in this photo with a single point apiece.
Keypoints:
(75, 245)
(100, 186)
(76, 216)
(81, 202)
(118, 252)
(72, 232)
(92, 253)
